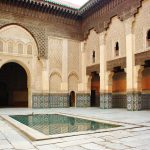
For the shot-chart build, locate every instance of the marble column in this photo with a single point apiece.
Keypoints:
(105, 95)
(82, 85)
(133, 96)
(83, 95)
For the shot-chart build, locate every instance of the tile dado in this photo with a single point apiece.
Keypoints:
(83, 100)
(145, 101)
(50, 100)
(134, 101)
(119, 101)
(105, 100)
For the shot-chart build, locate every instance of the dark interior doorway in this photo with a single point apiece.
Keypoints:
(95, 90)
(93, 98)
(72, 99)
(13, 86)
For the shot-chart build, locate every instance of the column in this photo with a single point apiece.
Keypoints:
(105, 95)
(83, 86)
(133, 97)
(64, 84)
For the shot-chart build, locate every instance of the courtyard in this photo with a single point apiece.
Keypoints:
(74, 77)
(134, 136)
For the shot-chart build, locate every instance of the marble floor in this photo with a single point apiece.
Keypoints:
(137, 137)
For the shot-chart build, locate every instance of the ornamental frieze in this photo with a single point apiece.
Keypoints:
(100, 19)
(140, 58)
(120, 62)
(93, 68)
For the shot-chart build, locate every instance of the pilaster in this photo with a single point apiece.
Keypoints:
(82, 85)
(45, 75)
(64, 84)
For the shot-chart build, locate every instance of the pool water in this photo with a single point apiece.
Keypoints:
(51, 124)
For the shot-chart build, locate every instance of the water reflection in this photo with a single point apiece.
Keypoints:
(58, 124)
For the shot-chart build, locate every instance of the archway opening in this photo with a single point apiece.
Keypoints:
(13, 86)
(146, 86)
(72, 99)
(95, 90)
(119, 99)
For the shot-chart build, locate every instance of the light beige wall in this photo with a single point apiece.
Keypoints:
(55, 82)
(73, 56)
(74, 67)
(58, 53)
(17, 41)
(115, 33)
(73, 82)
(141, 26)
(55, 49)
(20, 47)
(92, 44)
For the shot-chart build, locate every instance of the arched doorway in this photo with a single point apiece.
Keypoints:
(72, 99)
(119, 99)
(95, 90)
(13, 86)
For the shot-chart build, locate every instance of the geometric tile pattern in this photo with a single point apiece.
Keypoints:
(119, 101)
(50, 100)
(145, 101)
(134, 101)
(83, 100)
(97, 102)
(105, 100)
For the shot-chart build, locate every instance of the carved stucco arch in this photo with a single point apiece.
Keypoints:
(56, 83)
(37, 33)
(55, 73)
(73, 73)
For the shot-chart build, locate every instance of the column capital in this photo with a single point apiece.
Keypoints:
(128, 25)
(102, 37)
(139, 67)
(83, 46)
(44, 63)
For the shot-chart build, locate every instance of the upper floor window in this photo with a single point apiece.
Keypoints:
(148, 39)
(93, 56)
(10, 47)
(29, 49)
(117, 49)
(20, 48)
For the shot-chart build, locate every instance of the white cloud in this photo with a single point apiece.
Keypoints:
(77, 2)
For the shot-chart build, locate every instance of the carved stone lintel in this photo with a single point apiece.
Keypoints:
(94, 68)
(116, 63)
(140, 58)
